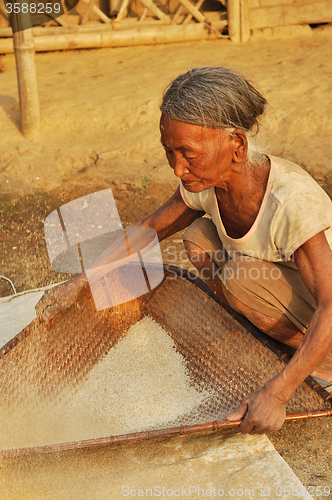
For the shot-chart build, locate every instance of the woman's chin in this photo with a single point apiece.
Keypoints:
(194, 187)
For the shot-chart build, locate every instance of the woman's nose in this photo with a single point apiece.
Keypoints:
(180, 166)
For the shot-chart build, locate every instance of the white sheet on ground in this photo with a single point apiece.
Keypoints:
(17, 311)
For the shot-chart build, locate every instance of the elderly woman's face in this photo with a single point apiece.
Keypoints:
(200, 157)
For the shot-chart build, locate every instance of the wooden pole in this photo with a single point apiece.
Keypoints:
(27, 83)
(123, 10)
(189, 16)
(24, 48)
(142, 436)
(176, 15)
(145, 11)
(88, 12)
(99, 13)
(193, 10)
(151, 35)
(238, 20)
(234, 24)
(151, 6)
(244, 21)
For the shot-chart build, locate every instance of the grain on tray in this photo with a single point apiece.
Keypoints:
(141, 384)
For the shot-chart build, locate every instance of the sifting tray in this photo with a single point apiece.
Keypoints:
(222, 351)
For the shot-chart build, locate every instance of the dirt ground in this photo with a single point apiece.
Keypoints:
(99, 112)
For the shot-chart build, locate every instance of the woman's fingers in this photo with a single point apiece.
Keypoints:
(46, 300)
(57, 299)
(49, 312)
(238, 413)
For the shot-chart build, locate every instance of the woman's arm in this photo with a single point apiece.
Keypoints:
(170, 218)
(314, 263)
(265, 411)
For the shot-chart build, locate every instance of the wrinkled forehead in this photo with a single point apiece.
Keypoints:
(166, 123)
(177, 134)
(178, 131)
(170, 125)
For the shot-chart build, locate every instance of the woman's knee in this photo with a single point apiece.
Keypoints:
(249, 273)
(197, 256)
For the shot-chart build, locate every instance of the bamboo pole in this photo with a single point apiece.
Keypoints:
(132, 23)
(85, 28)
(244, 21)
(123, 10)
(23, 46)
(238, 20)
(88, 12)
(140, 436)
(145, 36)
(176, 15)
(145, 11)
(234, 20)
(151, 6)
(189, 16)
(99, 13)
(114, 7)
(193, 10)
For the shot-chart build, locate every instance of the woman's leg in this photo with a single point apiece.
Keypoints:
(280, 329)
(207, 269)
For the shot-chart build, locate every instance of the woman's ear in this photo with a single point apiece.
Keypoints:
(240, 146)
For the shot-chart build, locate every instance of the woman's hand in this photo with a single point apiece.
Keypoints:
(262, 411)
(58, 299)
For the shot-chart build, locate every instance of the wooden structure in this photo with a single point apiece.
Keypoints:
(95, 23)
(125, 22)
(247, 15)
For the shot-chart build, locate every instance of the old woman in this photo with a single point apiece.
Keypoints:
(258, 230)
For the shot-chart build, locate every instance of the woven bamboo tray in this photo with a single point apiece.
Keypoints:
(220, 347)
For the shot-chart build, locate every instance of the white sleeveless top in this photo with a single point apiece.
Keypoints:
(294, 209)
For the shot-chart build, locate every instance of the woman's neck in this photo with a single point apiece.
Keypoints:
(243, 182)
(240, 198)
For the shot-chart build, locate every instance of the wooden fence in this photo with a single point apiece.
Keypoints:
(114, 23)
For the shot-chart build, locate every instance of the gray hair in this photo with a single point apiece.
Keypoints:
(216, 97)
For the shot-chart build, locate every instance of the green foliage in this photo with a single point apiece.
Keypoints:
(145, 182)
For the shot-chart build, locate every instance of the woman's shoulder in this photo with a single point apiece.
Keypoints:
(300, 207)
(292, 181)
